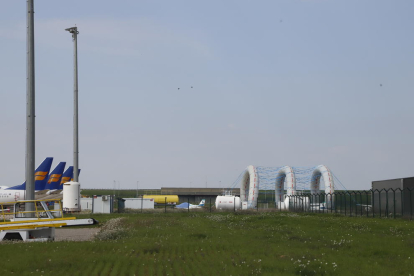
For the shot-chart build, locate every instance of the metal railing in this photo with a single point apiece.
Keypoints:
(17, 210)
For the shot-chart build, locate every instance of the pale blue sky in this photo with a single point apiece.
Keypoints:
(274, 83)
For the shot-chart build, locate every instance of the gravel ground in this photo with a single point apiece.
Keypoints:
(75, 234)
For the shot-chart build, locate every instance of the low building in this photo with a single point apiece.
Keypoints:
(393, 196)
(136, 203)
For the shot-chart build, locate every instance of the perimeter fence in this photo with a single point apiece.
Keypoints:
(389, 203)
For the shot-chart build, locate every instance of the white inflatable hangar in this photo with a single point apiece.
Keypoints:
(324, 172)
(249, 188)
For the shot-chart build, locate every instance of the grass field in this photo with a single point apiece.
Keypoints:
(252, 243)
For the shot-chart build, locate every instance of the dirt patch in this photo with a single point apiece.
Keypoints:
(75, 234)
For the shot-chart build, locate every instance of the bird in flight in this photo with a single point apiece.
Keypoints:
(178, 88)
(381, 84)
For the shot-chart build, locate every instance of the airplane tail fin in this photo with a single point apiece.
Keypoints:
(55, 177)
(66, 177)
(202, 202)
(41, 174)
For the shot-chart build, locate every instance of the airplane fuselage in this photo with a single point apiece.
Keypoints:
(12, 195)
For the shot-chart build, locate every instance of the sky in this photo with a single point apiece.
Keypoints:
(189, 93)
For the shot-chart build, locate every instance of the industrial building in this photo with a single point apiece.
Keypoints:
(393, 196)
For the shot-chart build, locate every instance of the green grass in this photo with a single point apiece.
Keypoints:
(249, 243)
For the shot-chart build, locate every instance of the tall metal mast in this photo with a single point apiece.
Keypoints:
(30, 108)
(74, 32)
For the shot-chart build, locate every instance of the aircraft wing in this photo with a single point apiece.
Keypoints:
(184, 205)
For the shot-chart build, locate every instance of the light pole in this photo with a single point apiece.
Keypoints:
(74, 32)
(137, 189)
(30, 109)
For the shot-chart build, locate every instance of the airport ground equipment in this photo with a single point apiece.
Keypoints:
(29, 233)
(38, 225)
(228, 202)
(162, 199)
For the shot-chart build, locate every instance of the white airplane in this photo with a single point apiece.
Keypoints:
(187, 205)
(15, 193)
(318, 206)
(365, 206)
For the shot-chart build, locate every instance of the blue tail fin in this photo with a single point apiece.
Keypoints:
(41, 174)
(67, 176)
(55, 177)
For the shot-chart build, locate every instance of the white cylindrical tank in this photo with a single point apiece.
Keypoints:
(228, 202)
(71, 196)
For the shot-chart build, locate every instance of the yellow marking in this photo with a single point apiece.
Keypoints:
(15, 203)
(37, 200)
(36, 221)
(2, 211)
(65, 179)
(54, 178)
(33, 226)
(41, 173)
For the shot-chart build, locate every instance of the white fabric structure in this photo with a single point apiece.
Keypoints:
(318, 172)
(324, 172)
(249, 183)
(285, 173)
(249, 188)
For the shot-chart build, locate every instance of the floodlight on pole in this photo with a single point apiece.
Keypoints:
(30, 109)
(74, 31)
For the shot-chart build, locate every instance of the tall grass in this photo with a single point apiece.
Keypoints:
(225, 244)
